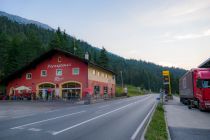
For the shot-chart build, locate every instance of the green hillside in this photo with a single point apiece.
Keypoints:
(20, 43)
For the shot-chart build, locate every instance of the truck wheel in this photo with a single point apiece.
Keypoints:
(181, 100)
(200, 107)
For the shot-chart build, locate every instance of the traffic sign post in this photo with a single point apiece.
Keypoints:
(167, 83)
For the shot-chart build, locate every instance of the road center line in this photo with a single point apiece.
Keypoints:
(20, 127)
(132, 98)
(34, 129)
(102, 115)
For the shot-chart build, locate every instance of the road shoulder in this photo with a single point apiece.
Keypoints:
(190, 124)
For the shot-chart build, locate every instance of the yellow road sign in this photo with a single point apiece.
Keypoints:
(165, 73)
(167, 81)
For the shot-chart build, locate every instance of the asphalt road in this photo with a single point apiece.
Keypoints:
(111, 120)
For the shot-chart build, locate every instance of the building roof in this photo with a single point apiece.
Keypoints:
(205, 64)
(45, 55)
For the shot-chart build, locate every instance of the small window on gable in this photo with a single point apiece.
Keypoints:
(43, 73)
(75, 71)
(59, 72)
(59, 59)
(28, 75)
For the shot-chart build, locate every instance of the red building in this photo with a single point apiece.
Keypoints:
(59, 73)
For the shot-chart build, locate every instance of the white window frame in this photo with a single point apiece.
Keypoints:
(57, 72)
(75, 69)
(28, 77)
(42, 74)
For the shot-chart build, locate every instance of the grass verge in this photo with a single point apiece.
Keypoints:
(157, 127)
(132, 91)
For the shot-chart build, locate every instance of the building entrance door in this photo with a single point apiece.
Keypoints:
(46, 91)
(71, 91)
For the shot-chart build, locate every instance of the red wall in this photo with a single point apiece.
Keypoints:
(51, 73)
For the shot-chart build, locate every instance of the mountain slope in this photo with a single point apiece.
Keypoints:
(20, 43)
(24, 21)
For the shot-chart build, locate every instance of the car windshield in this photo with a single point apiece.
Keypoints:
(206, 83)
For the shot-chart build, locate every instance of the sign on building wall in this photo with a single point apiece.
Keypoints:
(58, 66)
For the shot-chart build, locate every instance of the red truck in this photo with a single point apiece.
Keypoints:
(194, 88)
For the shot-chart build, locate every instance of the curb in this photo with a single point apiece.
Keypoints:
(167, 129)
(141, 128)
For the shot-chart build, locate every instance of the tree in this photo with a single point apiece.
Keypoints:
(103, 58)
(59, 40)
(76, 49)
(4, 44)
(11, 62)
(55, 43)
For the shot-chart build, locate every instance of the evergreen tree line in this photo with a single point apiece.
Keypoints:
(20, 44)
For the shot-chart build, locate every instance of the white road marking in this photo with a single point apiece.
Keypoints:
(102, 115)
(103, 106)
(142, 123)
(132, 98)
(20, 127)
(35, 129)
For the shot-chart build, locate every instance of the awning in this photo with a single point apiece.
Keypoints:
(88, 90)
(22, 88)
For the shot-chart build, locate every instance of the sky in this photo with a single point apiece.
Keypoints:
(166, 32)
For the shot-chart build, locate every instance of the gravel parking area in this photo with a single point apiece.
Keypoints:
(188, 124)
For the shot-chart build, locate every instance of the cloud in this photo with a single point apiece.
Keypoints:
(173, 38)
(185, 8)
(193, 35)
(174, 13)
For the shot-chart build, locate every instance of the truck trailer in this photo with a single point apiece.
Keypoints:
(194, 88)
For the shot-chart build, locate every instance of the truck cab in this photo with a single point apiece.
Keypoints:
(202, 88)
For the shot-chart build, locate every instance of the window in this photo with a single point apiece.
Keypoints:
(106, 76)
(94, 72)
(98, 73)
(58, 72)
(206, 83)
(28, 75)
(113, 77)
(105, 90)
(75, 71)
(96, 90)
(59, 59)
(43, 73)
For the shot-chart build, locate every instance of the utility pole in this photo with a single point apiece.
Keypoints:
(148, 83)
(121, 78)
